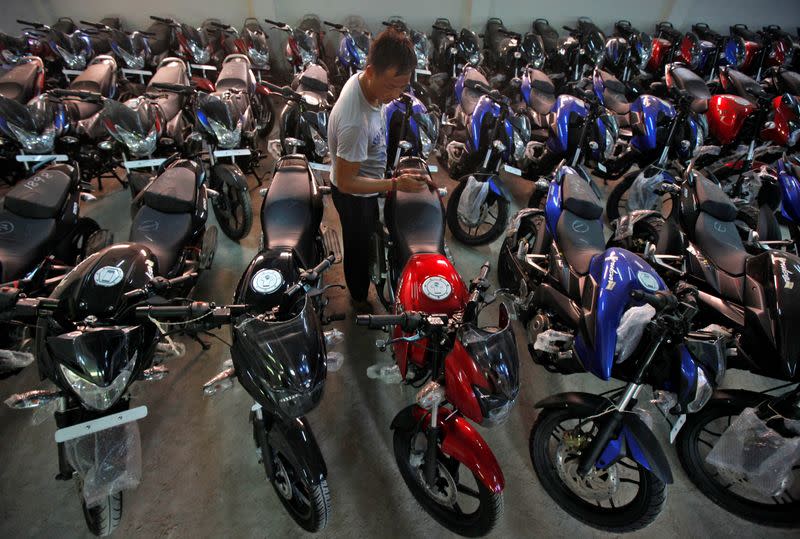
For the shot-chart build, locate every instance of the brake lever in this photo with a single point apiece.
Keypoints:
(315, 292)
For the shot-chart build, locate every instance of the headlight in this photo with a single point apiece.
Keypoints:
(702, 393)
(139, 146)
(307, 57)
(131, 60)
(609, 147)
(475, 58)
(33, 143)
(200, 54)
(257, 57)
(426, 144)
(320, 144)
(226, 138)
(361, 58)
(73, 61)
(538, 62)
(519, 146)
(96, 397)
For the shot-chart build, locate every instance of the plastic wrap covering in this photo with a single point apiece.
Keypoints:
(642, 195)
(108, 461)
(755, 456)
(11, 361)
(386, 373)
(513, 227)
(630, 330)
(472, 198)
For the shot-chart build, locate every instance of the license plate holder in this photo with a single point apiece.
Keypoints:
(100, 424)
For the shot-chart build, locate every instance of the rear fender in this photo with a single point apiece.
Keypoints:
(634, 440)
(459, 440)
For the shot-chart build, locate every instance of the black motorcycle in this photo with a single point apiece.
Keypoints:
(132, 50)
(508, 53)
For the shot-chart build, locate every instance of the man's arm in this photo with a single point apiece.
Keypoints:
(348, 180)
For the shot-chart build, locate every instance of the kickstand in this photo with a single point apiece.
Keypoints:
(259, 177)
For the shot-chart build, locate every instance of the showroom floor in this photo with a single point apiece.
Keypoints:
(201, 476)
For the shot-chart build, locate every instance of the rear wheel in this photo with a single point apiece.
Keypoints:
(234, 211)
(696, 439)
(621, 498)
(458, 500)
(493, 218)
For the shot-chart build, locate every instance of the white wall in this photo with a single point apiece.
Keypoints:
(517, 14)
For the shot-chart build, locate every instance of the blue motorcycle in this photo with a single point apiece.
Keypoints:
(411, 130)
(489, 136)
(606, 312)
(351, 55)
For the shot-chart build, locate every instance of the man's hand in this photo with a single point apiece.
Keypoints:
(411, 183)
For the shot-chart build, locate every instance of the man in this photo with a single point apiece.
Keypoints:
(357, 139)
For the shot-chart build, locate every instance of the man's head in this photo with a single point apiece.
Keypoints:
(390, 63)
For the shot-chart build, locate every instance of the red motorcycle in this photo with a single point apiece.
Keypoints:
(464, 371)
(302, 46)
(666, 43)
(771, 47)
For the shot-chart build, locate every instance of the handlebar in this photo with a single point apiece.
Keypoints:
(32, 24)
(79, 94)
(209, 312)
(336, 26)
(178, 88)
(659, 301)
(309, 276)
(278, 24)
(408, 321)
(165, 20)
(14, 303)
(444, 29)
(160, 284)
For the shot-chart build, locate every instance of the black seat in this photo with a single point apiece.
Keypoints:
(235, 74)
(687, 80)
(543, 91)
(174, 191)
(19, 83)
(719, 241)
(580, 240)
(744, 86)
(713, 200)
(41, 196)
(23, 244)
(416, 223)
(470, 96)
(549, 35)
(580, 197)
(614, 94)
(494, 36)
(96, 78)
(165, 234)
(745, 33)
(287, 216)
(789, 82)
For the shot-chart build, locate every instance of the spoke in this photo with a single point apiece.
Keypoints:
(628, 466)
(631, 481)
(467, 490)
(712, 433)
(457, 509)
(709, 444)
(611, 501)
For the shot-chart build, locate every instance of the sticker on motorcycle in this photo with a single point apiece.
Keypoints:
(108, 276)
(436, 288)
(267, 281)
(647, 281)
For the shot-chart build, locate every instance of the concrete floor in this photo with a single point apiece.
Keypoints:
(201, 477)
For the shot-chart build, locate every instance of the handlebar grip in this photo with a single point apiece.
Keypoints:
(485, 270)
(182, 278)
(8, 298)
(333, 25)
(29, 23)
(274, 87)
(161, 19)
(659, 300)
(193, 310)
(92, 24)
(407, 321)
(276, 23)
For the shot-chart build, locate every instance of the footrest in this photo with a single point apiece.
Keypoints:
(332, 243)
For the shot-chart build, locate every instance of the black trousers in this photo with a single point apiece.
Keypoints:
(360, 219)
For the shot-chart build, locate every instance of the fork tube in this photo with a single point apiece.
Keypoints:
(432, 435)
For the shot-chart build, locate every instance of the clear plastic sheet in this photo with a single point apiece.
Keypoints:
(757, 457)
(513, 226)
(472, 198)
(386, 373)
(553, 342)
(642, 195)
(334, 361)
(333, 337)
(631, 328)
(11, 360)
(108, 461)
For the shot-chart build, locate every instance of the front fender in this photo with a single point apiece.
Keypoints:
(750, 398)
(497, 186)
(227, 173)
(295, 440)
(460, 441)
(634, 439)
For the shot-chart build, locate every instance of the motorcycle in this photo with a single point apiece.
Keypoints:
(626, 56)
(509, 53)
(422, 48)
(453, 51)
(302, 47)
(251, 42)
(13, 49)
(279, 306)
(666, 43)
(494, 137)
(451, 358)
(581, 50)
(65, 50)
(352, 52)
(132, 50)
(588, 308)
(549, 39)
(189, 44)
(411, 130)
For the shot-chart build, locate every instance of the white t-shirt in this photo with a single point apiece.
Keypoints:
(357, 132)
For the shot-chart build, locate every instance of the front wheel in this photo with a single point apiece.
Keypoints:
(695, 441)
(309, 505)
(103, 518)
(234, 211)
(490, 223)
(621, 498)
(458, 500)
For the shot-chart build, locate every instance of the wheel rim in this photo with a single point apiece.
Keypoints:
(735, 485)
(609, 489)
(454, 493)
(294, 492)
(490, 211)
(231, 208)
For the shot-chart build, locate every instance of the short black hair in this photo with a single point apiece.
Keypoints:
(392, 48)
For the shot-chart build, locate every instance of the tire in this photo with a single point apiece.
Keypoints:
(475, 524)
(266, 119)
(692, 457)
(464, 236)
(640, 511)
(312, 516)
(235, 224)
(103, 519)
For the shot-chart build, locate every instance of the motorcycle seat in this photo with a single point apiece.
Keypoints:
(614, 94)
(745, 86)
(82, 110)
(470, 96)
(549, 35)
(96, 78)
(23, 243)
(685, 79)
(174, 191)
(580, 240)
(790, 81)
(171, 71)
(543, 91)
(19, 83)
(719, 241)
(235, 74)
(713, 200)
(580, 197)
(314, 81)
(165, 234)
(42, 196)
(745, 33)
(287, 216)
(416, 224)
